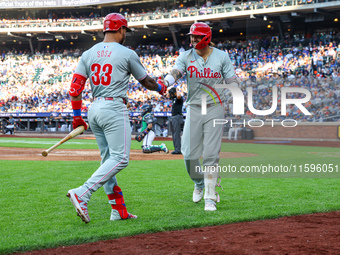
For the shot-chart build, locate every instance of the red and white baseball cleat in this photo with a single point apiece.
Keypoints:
(80, 205)
(116, 216)
(131, 216)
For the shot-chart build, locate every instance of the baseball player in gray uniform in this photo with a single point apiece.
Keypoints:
(108, 65)
(204, 67)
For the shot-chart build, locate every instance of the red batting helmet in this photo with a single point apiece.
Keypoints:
(200, 28)
(114, 21)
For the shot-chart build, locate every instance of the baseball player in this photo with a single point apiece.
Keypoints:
(10, 128)
(147, 134)
(108, 65)
(204, 66)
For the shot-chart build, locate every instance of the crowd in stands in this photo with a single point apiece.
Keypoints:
(40, 83)
(136, 13)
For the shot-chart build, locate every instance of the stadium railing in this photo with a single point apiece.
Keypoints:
(190, 13)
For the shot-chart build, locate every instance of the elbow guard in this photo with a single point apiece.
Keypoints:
(77, 85)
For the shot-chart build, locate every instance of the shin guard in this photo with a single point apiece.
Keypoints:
(117, 202)
(210, 181)
(151, 149)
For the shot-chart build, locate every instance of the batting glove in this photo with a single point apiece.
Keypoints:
(161, 87)
(78, 121)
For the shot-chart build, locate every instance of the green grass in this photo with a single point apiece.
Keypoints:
(291, 157)
(36, 214)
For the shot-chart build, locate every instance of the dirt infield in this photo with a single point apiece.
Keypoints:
(305, 234)
(8, 153)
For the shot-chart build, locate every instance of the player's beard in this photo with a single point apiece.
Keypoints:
(194, 42)
(194, 39)
(122, 41)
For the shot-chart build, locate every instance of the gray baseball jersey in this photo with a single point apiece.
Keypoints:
(203, 76)
(108, 66)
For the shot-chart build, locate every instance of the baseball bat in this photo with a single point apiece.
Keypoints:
(71, 135)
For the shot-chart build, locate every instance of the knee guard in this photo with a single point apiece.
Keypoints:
(117, 202)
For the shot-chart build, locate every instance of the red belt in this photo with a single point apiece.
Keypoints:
(111, 98)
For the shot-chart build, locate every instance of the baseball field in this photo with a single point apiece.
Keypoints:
(276, 199)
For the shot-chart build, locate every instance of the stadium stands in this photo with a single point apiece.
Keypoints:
(39, 82)
(45, 79)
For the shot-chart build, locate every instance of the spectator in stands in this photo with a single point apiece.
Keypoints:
(61, 123)
(50, 123)
(165, 129)
(138, 123)
(181, 50)
(54, 17)
(20, 87)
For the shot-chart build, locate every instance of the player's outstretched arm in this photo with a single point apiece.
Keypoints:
(176, 74)
(151, 84)
(178, 94)
(171, 78)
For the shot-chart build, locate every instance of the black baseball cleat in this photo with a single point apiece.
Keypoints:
(176, 152)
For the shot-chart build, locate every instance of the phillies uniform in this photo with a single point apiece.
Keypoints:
(108, 67)
(200, 137)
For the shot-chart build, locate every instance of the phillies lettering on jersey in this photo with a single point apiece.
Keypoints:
(207, 73)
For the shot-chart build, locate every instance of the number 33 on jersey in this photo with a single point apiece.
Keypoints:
(108, 66)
